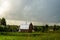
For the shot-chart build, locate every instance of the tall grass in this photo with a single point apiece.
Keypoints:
(29, 36)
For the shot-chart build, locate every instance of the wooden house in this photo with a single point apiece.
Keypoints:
(26, 27)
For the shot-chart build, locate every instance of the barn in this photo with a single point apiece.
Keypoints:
(26, 27)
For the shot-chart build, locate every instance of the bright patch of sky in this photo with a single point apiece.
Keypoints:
(45, 11)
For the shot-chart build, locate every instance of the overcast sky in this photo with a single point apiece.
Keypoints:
(34, 10)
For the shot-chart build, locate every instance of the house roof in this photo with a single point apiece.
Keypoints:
(24, 26)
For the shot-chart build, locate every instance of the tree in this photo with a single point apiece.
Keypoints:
(1, 28)
(43, 28)
(3, 21)
(35, 28)
(0, 21)
(54, 28)
(46, 27)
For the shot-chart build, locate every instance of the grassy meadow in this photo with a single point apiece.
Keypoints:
(29, 36)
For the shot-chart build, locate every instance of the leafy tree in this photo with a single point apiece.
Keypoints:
(13, 28)
(46, 27)
(54, 28)
(43, 28)
(31, 26)
(3, 21)
(35, 28)
(1, 28)
(0, 21)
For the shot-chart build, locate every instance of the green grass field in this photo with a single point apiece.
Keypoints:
(29, 36)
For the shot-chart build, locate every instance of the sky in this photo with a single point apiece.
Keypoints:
(38, 11)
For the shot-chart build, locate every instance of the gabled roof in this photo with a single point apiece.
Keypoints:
(24, 26)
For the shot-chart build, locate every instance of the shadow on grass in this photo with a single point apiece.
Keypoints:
(19, 34)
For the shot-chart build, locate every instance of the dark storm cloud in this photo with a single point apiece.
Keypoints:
(35, 10)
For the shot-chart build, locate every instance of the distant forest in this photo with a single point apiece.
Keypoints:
(15, 28)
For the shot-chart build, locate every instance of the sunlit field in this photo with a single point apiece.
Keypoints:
(29, 36)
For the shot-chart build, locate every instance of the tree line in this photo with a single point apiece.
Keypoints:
(14, 28)
(7, 28)
(47, 28)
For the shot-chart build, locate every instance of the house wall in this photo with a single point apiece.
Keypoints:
(24, 30)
